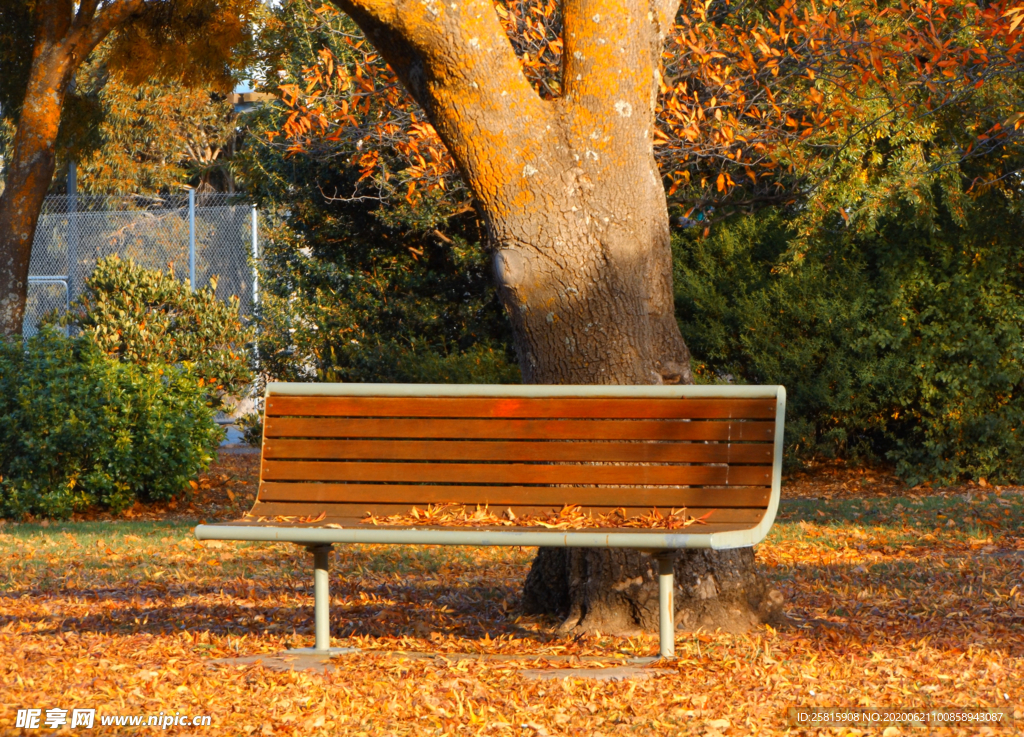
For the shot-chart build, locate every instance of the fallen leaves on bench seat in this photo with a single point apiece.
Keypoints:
(569, 517)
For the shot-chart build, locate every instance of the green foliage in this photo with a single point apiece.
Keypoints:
(78, 429)
(889, 298)
(369, 303)
(356, 284)
(903, 343)
(149, 317)
(913, 145)
(251, 426)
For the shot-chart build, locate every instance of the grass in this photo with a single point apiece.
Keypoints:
(909, 601)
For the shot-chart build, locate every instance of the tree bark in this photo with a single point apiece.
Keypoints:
(576, 217)
(32, 161)
(616, 592)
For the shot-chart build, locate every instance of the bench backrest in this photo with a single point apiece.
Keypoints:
(346, 455)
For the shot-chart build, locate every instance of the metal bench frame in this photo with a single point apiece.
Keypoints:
(661, 545)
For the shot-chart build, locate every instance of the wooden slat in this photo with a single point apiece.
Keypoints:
(525, 473)
(731, 518)
(290, 427)
(520, 407)
(726, 497)
(412, 450)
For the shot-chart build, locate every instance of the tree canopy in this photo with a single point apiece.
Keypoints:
(156, 136)
(195, 42)
(801, 102)
(884, 232)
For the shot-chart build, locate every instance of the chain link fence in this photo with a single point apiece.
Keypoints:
(197, 236)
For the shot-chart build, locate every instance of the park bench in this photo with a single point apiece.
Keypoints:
(335, 453)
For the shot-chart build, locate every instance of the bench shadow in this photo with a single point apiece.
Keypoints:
(826, 606)
(387, 611)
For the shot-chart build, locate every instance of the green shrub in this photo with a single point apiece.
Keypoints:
(149, 317)
(251, 426)
(904, 344)
(368, 302)
(78, 429)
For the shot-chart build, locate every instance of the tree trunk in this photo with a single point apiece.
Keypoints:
(33, 160)
(575, 212)
(590, 299)
(616, 592)
(585, 275)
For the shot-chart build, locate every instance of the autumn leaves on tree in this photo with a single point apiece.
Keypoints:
(570, 194)
(804, 102)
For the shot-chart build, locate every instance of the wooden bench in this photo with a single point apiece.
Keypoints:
(334, 453)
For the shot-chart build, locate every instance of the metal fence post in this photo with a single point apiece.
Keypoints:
(255, 287)
(72, 228)
(192, 239)
(255, 256)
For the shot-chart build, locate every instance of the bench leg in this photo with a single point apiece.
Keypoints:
(666, 613)
(321, 597)
(322, 606)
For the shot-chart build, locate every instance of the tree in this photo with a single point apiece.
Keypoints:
(552, 129)
(575, 214)
(571, 196)
(757, 106)
(47, 41)
(889, 300)
(843, 109)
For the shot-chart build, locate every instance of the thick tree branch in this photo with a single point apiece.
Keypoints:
(86, 11)
(610, 83)
(663, 14)
(460, 66)
(53, 20)
(89, 35)
(607, 59)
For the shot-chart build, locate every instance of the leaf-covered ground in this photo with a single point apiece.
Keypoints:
(897, 598)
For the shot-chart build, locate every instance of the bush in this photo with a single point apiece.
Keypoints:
(149, 317)
(78, 429)
(904, 344)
